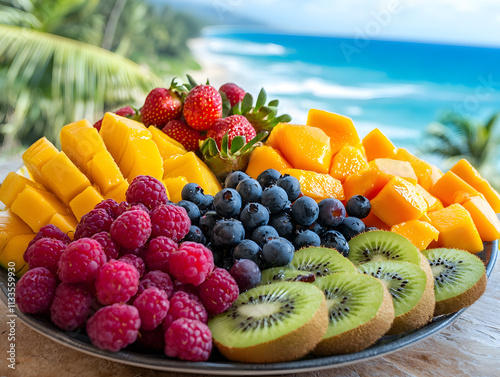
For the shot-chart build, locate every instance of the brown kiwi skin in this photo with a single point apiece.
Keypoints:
(292, 346)
(361, 337)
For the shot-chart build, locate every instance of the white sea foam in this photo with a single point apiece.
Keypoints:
(224, 46)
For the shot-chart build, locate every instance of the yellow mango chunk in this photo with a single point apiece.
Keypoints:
(12, 185)
(398, 201)
(104, 172)
(304, 147)
(12, 254)
(37, 155)
(422, 169)
(263, 158)
(118, 192)
(316, 185)
(85, 202)
(377, 145)
(433, 203)
(448, 188)
(63, 178)
(347, 161)
(174, 187)
(372, 220)
(167, 146)
(456, 229)
(419, 233)
(141, 157)
(67, 223)
(339, 128)
(485, 219)
(390, 168)
(11, 225)
(436, 174)
(194, 169)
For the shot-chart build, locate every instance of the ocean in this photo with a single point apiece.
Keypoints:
(399, 87)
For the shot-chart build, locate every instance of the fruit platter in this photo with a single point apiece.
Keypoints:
(206, 233)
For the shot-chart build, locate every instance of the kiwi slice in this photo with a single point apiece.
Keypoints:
(277, 322)
(275, 274)
(459, 278)
(322, 261)
(412, 294)
(360, 311)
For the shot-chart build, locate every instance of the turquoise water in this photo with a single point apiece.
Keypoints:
(400, 87)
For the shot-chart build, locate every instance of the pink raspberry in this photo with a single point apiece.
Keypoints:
(185, 305)
(47, 231)
(189, 340)
(170, 221)
(152, 339)
(146, 190)
(158, 279)
(158, 253)
(139, 251)
(191, 263)
(135, 261)
(116, 282)
(35, 290)
(218, 291)
(95, 221)
(110, 205)
(153, 307)
(110, 248)
(131, 229)
(46, 252)
(185, 287)
(114, 327)
(71, 306)
(81, 261)
(122, 207)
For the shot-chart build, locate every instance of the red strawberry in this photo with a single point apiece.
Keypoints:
(233, 125)
(126, 111)
(233, 93)
(180, 131)
(203, 106)
(160, 106)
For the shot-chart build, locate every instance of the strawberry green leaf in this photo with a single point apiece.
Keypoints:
(246, 103)
(273, 103)
(248, 146)
(284, 118)
(191, 81)
(226, 105)
(224, 145)
(261, 99)
(237, 143)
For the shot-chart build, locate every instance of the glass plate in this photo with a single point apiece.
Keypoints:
(218, 365)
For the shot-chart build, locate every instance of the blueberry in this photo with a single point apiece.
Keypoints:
(195, 235)
(234, 178)
(306, 238)
(263, 234)
(274, 198)
(254, 215)
(207, 222)
(192, 210)
(370, 228)
(227, 233)
(248, 249)
(350, 227)
(268, 177)
(291, 185)
(288, 208)
(305, 210)
(358, 206)
(283, 224)
(250, 190)
(278, 252)
(335, 240)
(315, 227)
(331, 212)
(227, 202)
(193, 193)
(206, 204)
(246, 273)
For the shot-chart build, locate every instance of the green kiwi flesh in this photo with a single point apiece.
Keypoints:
(322, 261)
(360, 311)
(275, 274)
(282, 321)
(459, 278)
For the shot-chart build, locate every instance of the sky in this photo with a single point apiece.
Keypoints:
(469, 22)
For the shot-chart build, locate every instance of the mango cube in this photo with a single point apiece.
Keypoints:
(37, 155)
(12, 253)
(11, 225)
(419, 233)
(141, 157)
(377, 145)
(485, 219)
(12, 185)
(167, 146)
(316, 185)
(67, 223)
(174, 187)
(347, 161)
(104, 172)
(450, 187)
(118, 192)
(85, 202)
(433, 203)
(265, 157)
(422, 169)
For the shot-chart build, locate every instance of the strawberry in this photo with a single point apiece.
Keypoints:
(233, 93)
(233, 125)
(202, 107)
(160, 106)
(126, 111)
(180, 131)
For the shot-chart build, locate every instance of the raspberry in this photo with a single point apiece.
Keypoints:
(122, 207)
(189, 340)
(131, 229)
(146, 190)
(110, 248)
(191, 263)
(153, 307)
(138, 251)
(185, 305)
(158, 279)
(110, 205)
(135, 261)
(116, 282)
(47, 231)
(71, 306)
(218, 291)
(35, 290)
(158, 253)
(81, 261)
(114, 327)
(170, 221)
(152, 339)
(185, 287)
(95, 221)
(45, 252)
